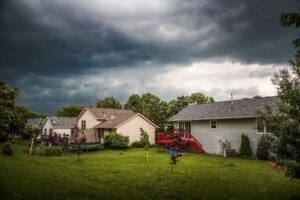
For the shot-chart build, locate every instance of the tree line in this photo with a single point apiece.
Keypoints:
(150, 105)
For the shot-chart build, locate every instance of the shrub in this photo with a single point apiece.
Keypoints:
(137, 144)
(144, 137)
(51, 151)
(144, 140)
(263, 148)
(3, 137)
(116, 141)
(245, 149)
(293, 169)
(7, 150)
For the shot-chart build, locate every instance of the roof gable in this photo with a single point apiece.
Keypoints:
(61, 122)
(244, 108)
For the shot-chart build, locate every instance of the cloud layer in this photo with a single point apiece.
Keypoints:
(63, 51)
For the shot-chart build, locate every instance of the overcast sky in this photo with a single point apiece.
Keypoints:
(75, 51)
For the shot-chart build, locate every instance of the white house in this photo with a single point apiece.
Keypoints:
(59, 125)
(96, 122)
(217, 122)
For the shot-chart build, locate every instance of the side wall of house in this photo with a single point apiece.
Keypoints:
(230, 130)
(90, 119)
(47, 126)
(132, 129)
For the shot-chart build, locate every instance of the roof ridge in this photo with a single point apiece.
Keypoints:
(109, 108)
(250, 99)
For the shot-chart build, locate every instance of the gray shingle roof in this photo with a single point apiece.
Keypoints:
(35, 121)
(245, 108)
(62, 122)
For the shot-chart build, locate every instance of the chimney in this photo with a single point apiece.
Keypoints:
(231, 100)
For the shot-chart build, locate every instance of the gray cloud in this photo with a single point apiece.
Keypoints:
(44, 43)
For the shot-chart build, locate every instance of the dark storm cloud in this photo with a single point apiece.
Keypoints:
(54, 39)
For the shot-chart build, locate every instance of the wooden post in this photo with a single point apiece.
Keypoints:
(32, 143)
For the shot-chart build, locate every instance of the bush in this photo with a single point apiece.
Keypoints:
(263, 148)
(293, 169)
(3, 137)
(7, 150)
(144, 140)
(51, 151)
(245, 149)
(137, 144)
(116, 141)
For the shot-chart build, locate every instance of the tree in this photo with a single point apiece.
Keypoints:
(154, 109)
(71, 110)
(109, 102)
(7, 105)
(150, 106)
(284, 123)
(245, 149)
(174, 106)
(134, 103)
(263, 148)
(199, 98)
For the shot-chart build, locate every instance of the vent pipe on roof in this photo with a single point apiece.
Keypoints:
(231, 100)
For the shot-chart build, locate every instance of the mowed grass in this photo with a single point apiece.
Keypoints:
(113, 174)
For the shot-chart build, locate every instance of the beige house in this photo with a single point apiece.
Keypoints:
(96, 122)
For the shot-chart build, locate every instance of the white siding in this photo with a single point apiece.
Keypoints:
(230, 130)
(90, 119)
(62, 131)
(132, 129)
(47, 126)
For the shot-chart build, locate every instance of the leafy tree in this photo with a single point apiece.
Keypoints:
(7, 105)
(199, 98)
(284, 123)
(154, 109)
(174, 106)
(150, 106)
(71, 110)
(134, 103)
(257, 97)
(245, 149)
(109, 102)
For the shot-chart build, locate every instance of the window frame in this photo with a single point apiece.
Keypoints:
(264, 127)
(210, 123)
(83, 124)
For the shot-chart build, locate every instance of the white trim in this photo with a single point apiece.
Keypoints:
(210, 125)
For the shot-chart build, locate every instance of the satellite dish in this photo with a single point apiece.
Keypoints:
(113, 117)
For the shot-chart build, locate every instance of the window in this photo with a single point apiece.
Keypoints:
(181, 125)
(83, 124)
(213, 124)
(260, 126)
(186, 126)
(50, 130)
(45, 131)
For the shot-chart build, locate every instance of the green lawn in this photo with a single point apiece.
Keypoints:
(125, 174)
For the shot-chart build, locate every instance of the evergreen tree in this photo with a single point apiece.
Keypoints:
(245, 149)
(263, 148)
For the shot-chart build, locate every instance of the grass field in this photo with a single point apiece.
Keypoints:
(126, 174)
